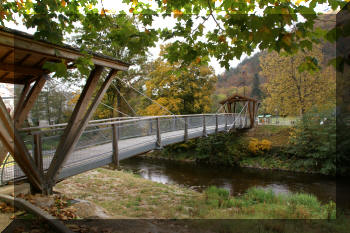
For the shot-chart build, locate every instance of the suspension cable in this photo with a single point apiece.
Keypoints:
(115, 109)
(125, 100)
(239, 116)
(146, 96)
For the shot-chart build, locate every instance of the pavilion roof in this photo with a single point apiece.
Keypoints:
(236, 98)
(22, 57)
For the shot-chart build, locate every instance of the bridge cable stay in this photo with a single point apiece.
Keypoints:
(153, 101)
(124, 100)
(147, 97)
(239, 116)
(161, 106)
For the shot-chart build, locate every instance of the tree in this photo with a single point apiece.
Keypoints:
(184, 91)
(292, 92)
(256, 92)
(237, 30)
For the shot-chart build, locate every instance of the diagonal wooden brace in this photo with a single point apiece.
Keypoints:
(78, 122)
(13, 143)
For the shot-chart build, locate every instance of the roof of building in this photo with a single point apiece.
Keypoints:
(236, 98)
(22, 56)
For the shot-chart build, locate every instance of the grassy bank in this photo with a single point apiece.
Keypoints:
(128, 195)
(265, 147)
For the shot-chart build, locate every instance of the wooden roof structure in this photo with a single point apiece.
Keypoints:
(21, 62)
(22, 57)
(252, 106)
(237, 98)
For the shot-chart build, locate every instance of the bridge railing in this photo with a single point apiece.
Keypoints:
(98, 136)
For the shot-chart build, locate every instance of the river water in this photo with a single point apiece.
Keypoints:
(236, 180)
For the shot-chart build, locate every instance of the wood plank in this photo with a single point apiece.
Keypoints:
(30, 100)
(20, 69)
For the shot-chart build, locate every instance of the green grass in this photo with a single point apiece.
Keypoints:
(123, 194)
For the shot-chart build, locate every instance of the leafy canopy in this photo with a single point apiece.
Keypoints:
(241, 25)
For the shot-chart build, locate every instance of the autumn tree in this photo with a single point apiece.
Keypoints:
(241, 26)
(291, 91)
(180, 90)
(256, 91)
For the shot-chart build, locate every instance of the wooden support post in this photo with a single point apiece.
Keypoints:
(13, 143)
(22, 97)
(24, 108)
(254, 115)
(186, 128)
(250, 113)
(78, 121)
(38, 156)
(115, 146)
(159, 139)
(229, 108)
(204, 127)
(216, 123)
(38, 159)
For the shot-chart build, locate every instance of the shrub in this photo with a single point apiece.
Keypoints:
(259, 147)
(222, 148)
(313, 142)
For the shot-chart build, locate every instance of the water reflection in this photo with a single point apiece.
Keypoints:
(236, 180)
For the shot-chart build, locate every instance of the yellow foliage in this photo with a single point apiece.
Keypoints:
(290, 92)
(182, 91)
(255, 146)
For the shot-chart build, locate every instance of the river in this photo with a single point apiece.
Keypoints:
(236, 180)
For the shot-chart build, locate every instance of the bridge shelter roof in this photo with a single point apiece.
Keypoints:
(22, 57)
(237, 98)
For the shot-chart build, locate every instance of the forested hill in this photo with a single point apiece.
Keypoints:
(240, 79)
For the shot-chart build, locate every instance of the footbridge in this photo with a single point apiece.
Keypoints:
(110, 140)
(46, 155)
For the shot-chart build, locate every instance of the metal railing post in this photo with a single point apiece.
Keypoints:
(216, 124)
(38, 155)
(186, 128)
(204, 127)
(225, 121)
(159, 139)
(115, 146)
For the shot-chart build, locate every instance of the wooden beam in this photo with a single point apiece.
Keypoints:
(54, 51)
(20, 69)
(23, 59)
(4, 75)
(3, 58)
(22, 97)
(78, 121)
(22, 113)
(14, 144)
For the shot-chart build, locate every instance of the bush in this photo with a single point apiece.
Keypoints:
(313, 142)
(222, 148)
(259, 147)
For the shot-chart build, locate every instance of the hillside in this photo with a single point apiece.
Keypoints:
(240, 79)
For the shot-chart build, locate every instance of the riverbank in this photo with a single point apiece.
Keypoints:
(125, 194)
(238, 149)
